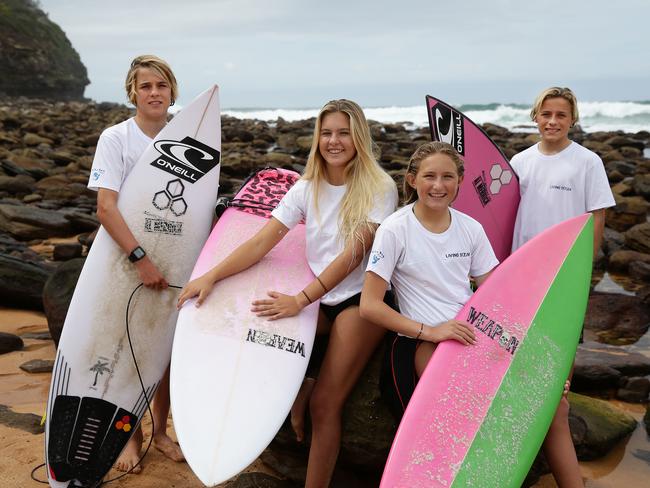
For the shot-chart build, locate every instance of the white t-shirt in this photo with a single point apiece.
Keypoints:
(558, 187)
(430, 272)
(118, 149)
(323, 243)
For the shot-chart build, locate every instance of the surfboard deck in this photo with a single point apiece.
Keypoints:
(479, 414)
(490, 190)
(234, 375)
(96, 399)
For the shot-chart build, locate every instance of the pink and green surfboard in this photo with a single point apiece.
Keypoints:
(479, 413)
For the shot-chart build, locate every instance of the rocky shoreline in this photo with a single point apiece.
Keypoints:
(47, 217)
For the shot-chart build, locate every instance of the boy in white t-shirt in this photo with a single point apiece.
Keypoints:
(559, 179)
(151, 87)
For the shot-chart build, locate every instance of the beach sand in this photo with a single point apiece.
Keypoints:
(23, 392)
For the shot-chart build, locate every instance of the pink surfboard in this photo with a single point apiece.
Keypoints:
(479, 413)
(234, 375)
(490, 191)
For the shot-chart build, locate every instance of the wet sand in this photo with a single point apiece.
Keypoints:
(627, 465)
(23, 392)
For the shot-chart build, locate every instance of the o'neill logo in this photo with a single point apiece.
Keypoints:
(492, 329)
(449, 127)
(188, 159)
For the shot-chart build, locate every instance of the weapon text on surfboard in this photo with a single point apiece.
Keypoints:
(277, 341)
(492, 329)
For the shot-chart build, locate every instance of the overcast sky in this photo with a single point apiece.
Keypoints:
(293, 53)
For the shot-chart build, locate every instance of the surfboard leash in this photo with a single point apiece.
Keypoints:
(226, 202)
(144, 392)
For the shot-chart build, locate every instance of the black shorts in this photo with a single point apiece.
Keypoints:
(398, 377)
(331, 312)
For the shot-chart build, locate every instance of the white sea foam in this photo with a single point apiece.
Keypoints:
(594, 116)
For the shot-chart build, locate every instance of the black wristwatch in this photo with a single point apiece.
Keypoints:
(137, 254)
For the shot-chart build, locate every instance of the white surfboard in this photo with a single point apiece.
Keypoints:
(234, 375)
(96, 399)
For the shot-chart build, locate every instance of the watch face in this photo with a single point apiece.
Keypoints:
(137, 254)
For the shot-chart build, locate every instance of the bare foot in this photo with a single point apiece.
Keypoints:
(168, 447)
(300, 406)
(131, 454)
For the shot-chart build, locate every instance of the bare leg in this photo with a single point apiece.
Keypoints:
(160, 411)
(422, 355)
(131, 454)
(299, 406)
(559, 451)
(352, 342)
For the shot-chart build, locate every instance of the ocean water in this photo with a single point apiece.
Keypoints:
(594, 116)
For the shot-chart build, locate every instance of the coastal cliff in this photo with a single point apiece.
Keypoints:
(36, 58)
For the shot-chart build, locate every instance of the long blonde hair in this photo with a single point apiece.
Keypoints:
(366, 181)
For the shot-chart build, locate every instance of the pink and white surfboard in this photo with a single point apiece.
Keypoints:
(490, 191)
(234, 375)
(479, 413)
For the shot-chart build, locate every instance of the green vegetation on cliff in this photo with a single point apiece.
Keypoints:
(36, 57)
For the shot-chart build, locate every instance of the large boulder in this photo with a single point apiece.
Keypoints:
(25, 222)
(629, 211)
(619, 319)
(638, 237)
(57, 294)
(621, 260)
(368, 431)
(21, 283)
(37, 58)
(600, 367)
(604, 425)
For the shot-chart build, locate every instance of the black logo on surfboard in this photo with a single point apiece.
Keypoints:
(187, 159)
(448, 126)
(493, 330)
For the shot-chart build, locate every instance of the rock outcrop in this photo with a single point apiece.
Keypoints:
(36, 56)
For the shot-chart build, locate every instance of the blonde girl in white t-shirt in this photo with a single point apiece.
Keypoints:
(343, 196)
(428, 252)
